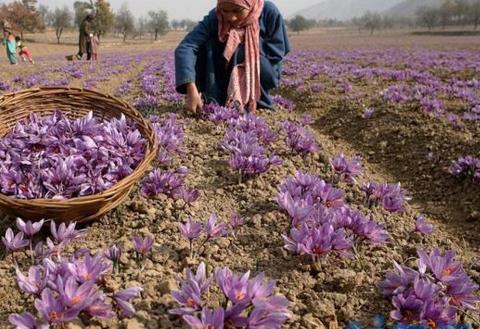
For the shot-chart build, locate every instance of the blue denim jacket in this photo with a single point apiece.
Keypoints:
(199, 57)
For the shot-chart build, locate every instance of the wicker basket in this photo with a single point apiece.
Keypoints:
(75, 103)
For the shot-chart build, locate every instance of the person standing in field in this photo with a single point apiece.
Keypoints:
(233, 56)
(10, 44)
(95, 47)
(85, 37)
(24, 52)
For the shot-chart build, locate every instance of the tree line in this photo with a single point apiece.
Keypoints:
(445, 13)
(26, 16)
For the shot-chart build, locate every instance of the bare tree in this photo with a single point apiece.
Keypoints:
(22, 15)
(142, 24)
(371, 21)
(428, 16)
(124, 21)
(474, 13)
(158, 22)
(43, 12)
(61, 19)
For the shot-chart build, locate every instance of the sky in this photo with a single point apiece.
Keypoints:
(178, 9)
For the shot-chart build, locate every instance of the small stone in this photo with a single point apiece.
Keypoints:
(223, 243)
(474, 216)
(257, 221)
(312, 323)
(75, 324)
(153, 324)
(166, 286)
(133, 324)
(143, 316)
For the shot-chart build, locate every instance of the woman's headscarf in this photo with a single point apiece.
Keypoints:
(244, 85)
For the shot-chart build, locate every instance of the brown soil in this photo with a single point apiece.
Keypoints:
(332, 291)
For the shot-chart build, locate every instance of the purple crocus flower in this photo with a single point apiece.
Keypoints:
(114, 253)
(124, 297)
(29, 228)
(408, 308)
(143, 246)
(98, 308)
(52, 309)
(65, 233)
(209, 319)
(191, 230)
(233, 286)
(462, 292)
(189, 297)
(214, 230)
(74, 294)
(347, 168)
(89, 268)
(14, 242)
(269, 313)
(373, 232)
(367, 114)
(236, 221)
(258, 289)
(200, 277)
(35, 282)
(25, 321)
(422, 226)
(397, 282)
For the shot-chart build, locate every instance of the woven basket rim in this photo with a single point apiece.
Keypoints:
(151, 149)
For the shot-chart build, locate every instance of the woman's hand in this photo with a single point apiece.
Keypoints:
(193, 102)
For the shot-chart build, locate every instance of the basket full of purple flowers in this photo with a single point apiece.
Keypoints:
(69, 154)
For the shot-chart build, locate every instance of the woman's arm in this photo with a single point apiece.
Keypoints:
(187, 52)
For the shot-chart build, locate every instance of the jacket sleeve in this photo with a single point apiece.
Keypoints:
(187, 51)
(274, 46)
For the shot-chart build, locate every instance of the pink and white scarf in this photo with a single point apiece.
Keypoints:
(244, 85)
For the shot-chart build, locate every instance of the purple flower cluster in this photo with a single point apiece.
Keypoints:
(170, 183)
(219, 114)
(170, 137)
(55, 157)
(283, 102)
(192, 230)
(321, 221)
(167, 91)
(391, 196)
(243, 141)
(124, 88)
(4, 86)
(65, 286)
(466, 167)
(299, 138)
(433, 294)
(150, 85)
(249, 302)
(347, 169)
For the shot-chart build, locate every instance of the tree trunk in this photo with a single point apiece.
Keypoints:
(156, 34)
(58, 33)
(124, 36)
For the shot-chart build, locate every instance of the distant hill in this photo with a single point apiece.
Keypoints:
(346, 9)
(408, 8)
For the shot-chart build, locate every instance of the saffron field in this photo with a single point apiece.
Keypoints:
(357, 196)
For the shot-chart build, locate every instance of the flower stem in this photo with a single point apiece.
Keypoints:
(31, 252)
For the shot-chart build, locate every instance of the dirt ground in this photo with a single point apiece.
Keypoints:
(395, 145)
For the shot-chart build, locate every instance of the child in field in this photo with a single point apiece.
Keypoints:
(11, 47)
(233, 57)
(24, 51)
(95, 45)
